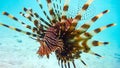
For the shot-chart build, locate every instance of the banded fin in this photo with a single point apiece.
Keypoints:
(41, 19)
(79, 14)
(43, 50)
(28, 11)
(49, 4)
(26, 16)
(88, 35)
(93, 53)
(83, 62)
(73, 64)
(55, 11)
(64, 16)
(21, 31)
(41, 7)
(14, 18)
(65, 64)
(62, 63)
(60, 7)
(34, 29)
(64, 12)
(68, 64)
(57, 8)
(36, 16)
(92, 43)
(36, 22)
(46, 47)
(86, 25)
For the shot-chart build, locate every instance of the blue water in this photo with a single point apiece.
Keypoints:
(19, 51)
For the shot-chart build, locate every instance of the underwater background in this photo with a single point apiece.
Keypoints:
(19, 51)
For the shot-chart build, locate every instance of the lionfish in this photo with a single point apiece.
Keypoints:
(59, 34)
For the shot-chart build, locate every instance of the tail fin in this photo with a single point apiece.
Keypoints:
(47, 49)
(44, 49)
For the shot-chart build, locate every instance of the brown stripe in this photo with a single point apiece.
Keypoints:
(28, 33)
(62, 26)
(51, 12)
(28, 26)
(29, 18)
(87, 35)
(94, 18)
(74, 24)
(109, 25)
(18, 30)
(36, 23)
(84, 43)
(5, 25)
(71, 28)
(36, 14)
(38, 32)
(31, 14)
(97, 30)
(64, 17)
(50, 42)
(5, 13)
(65, 8)
(105, 11)
(34, 29)
(85, 26)
(78, 17)
(49, 1)
(106, 43)
(95, 43)
(48, 46)
(53, 21)
(51, 32)
(85, 6)
(15, 18)
(86, 48)
(52, 38)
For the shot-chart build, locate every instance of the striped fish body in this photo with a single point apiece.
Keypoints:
(52, 40)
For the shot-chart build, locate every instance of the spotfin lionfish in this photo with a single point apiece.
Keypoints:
(59, 33)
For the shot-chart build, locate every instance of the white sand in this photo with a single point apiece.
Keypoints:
(23, 55)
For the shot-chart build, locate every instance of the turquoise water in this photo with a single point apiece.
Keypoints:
(19, 51)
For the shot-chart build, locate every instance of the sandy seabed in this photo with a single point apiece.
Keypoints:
(20, 52)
